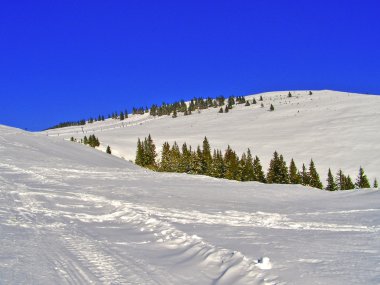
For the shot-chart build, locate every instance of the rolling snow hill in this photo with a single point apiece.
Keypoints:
(70, 214)
(338, 130)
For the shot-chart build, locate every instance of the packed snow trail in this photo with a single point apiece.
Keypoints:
(72, 215)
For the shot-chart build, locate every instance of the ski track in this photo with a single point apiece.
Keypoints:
(82, 259)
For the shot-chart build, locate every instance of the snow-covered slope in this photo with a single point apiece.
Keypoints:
(70, 214)
(336, 129)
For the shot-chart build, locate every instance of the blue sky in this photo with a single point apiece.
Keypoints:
(68, 60)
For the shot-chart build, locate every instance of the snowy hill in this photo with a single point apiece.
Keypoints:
(338, 130)
(70, 214)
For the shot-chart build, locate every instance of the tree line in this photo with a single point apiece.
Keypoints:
(247, 167)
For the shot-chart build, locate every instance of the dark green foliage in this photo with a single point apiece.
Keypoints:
(289, 95)
(121, 116)
(331, 185)
(217, 165)
(261, 98)
(246, 167)
(247, 103)
(108, 150)
(221, 110)
(278, 171)
(206, 156)
(305, 178)
(310, 93)
(174, 114)
(254, 101)
(146, 153)
(375, 184)
(226, 109)
(294, 175)
(314, 176)
(362, 180)
(271, 108)
(258, 171)
(231, 163)
(72, 139)
(91, 141)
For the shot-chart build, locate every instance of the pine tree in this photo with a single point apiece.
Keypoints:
(165, 158)
(247, 103)
(108, 150)
(305, 176)
(278, 171)
(174, 114)
(261, 98)
(185, 159)
(217, 165)
(231, 162)
(226, 109)
(121, 116)
(314, 176)
(362, 180)
(310, 93)
(375, 184)
(206, 156)
(258, 171)
(221, 110)
(139, 153)
(289, 95)
(175, 158)
(294, 176)
(271, 107)
(331, 185)
(349, 184)
(254, 101)
(85, 140)
(248, 172)
(149, 153)
(340, 180)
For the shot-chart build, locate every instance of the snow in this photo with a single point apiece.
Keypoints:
(337, 130)
(70, 214)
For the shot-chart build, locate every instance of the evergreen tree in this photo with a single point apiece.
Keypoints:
(149, 153)
(254, 101)
(271, 107)
(185, 159)
(165, 158)
(362, 180)
(174, 114)
(340, 180)
(278, 171)
(305, 178)
(217, 165)
(289, 95)
(294, 176)
(85, 140)
(175, 158)
(247, 103)
(206, 156)
(231, 162)
(349, 184)
(258, 171)
(331, 185)
(261, 98)
(108, 150)
(314, 176)
(226, 109)
(139, 153)
(121, 116)
(221, 110)
(246, 167)
(375, 184)
(310, 93)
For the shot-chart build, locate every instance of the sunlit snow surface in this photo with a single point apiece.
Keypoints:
(336, 129)
(70, 214)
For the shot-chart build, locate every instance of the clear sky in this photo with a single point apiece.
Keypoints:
(68, 60)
